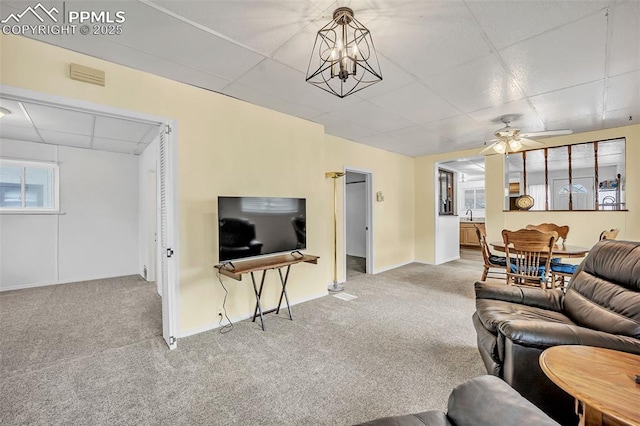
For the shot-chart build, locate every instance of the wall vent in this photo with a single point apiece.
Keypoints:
(87, 75)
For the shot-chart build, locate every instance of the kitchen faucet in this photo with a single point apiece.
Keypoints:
(470, 213)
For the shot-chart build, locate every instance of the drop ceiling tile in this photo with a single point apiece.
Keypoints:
(17, 117)
(458, 128)
(418, 136)
(159, 34)
(385, 142)
(478, 84)
(621, 117)
(338, 126)
(8, 131)
(280, 80)
(261, 25)
(577, 124)
(296, 52)
(112, 145)
(372, 117)
(66, 139)
(623, 91)
(577, 101)
(429, 37)
(115, 128)
(625, 38)
(568, 56)
(490, 117)
(60, 120)
(271, 101)
(509, 22)
(416, 102)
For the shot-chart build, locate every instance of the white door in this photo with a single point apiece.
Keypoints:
(166, 255)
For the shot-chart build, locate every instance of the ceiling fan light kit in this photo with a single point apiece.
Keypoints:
(343, 60)
(511, 139)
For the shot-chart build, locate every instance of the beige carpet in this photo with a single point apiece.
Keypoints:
(400, 347)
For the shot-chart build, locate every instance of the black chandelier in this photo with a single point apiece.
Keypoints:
(343, 60)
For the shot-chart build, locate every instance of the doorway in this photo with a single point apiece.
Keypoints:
(358, 226)
(455, 231)
(88, 157)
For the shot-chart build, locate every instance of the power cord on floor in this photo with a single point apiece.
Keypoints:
(227, 327)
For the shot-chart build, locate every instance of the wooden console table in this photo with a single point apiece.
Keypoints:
(235, 270)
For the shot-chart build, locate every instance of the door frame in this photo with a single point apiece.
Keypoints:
(172, 305)
(369, 219)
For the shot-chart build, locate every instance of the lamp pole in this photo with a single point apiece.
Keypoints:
(335, 286)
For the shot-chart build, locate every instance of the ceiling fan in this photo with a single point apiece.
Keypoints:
(511, 139)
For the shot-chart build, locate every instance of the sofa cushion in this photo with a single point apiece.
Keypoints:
(492, 313)
(604, 294)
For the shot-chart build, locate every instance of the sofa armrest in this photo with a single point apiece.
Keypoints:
(489, 401)
(543, 334)
(536, 297)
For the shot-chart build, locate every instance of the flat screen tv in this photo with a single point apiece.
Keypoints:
(255, 226)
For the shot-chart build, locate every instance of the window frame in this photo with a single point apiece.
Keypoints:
(55, 186)
(446, 205)
(475, 198)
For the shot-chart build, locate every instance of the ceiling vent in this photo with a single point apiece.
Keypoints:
(86, 74)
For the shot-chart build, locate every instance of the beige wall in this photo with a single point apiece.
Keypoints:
(585, 227)
(228, 147)
(393, 218)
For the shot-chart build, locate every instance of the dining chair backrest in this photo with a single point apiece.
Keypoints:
(528, 253)
(563, 231)
(611, 234)
(481, 232)
(491, 262)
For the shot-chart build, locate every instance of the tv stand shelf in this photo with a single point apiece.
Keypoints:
(235, 270)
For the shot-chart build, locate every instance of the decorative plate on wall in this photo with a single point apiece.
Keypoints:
(524, 202)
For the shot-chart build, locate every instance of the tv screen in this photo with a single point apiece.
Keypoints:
(254, 226)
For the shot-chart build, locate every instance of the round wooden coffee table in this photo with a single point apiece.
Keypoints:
(601, 380)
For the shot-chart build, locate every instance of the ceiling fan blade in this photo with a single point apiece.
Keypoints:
(546, 133)
(489, 147)
(530, 142)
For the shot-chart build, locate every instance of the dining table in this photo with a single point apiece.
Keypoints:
(559, 250)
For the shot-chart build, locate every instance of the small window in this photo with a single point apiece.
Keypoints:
(27, 186)
(474, 199)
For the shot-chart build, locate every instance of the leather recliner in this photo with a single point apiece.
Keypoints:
(482, 401)
(601, 308)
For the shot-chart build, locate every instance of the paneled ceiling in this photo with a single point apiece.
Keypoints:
(450, 68)
(56, 125)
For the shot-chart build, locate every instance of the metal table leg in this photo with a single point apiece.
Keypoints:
(258, 294)
(284, 291)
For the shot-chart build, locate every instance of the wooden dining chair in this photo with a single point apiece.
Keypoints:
(563, 231)
(528, 253)
(494, 265)
(611, 234)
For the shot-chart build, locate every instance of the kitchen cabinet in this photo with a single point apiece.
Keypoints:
(468, 235)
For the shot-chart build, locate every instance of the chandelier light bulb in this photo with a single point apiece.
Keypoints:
(500, 147)
(515, 145)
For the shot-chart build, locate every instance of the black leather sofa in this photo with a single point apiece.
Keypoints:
(601, 308)
(483, 401)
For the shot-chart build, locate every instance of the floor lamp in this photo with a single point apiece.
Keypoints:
(335, 176)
